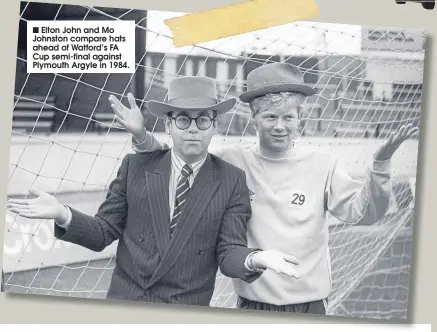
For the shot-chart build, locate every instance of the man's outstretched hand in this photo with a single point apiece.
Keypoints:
(130, 118)
(43, 206)
(276, 261)
(394, 141)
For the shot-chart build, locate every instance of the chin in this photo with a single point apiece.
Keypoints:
(280, 146)
(193, 152)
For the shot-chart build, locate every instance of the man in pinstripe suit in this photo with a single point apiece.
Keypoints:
(178, 214)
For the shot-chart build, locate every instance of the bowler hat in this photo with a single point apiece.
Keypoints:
(274, 78)
(191, 93)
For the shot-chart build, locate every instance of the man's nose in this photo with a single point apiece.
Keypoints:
(193, 127)
(279, 125)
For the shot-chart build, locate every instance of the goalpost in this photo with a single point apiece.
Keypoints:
(349, 117)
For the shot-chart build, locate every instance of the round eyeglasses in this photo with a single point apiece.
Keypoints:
(183, 121)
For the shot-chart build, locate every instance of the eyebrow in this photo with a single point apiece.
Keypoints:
(198, 114)
(275, 114)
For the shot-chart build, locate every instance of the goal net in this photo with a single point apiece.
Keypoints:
(66, 141)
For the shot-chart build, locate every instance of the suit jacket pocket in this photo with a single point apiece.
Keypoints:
(123, 289)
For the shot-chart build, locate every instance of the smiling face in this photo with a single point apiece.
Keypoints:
(277, 119)
(190, 144)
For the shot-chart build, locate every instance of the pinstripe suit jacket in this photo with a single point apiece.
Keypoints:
(150, 267)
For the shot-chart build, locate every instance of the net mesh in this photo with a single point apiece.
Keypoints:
(71, 146)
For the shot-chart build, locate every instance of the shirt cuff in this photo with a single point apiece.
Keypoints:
(135, 143)
(247, 264)
(382, 166)
(68, 221)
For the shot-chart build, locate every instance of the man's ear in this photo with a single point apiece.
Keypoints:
(167, 124)
(255, 124)
(215, 125)
(300, 111)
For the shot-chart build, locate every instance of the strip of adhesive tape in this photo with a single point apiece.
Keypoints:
(237, 19)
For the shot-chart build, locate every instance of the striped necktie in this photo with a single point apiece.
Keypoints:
(181, 196)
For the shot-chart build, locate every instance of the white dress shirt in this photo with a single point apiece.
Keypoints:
(176, 169)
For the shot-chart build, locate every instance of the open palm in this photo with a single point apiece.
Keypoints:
(389, 147)
(44, 206)
(278, 262)
(130, 118)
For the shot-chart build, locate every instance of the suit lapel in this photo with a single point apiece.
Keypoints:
(200, 195)
(157, 185)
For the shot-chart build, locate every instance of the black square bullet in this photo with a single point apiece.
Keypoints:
(35, 30)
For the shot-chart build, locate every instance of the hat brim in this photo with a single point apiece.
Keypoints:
(298, 88)
(160, 109)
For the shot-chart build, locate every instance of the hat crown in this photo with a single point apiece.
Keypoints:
(191, 93)
(192, 87)
(272, 74)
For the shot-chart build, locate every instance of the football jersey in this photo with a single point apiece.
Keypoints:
(290, 196)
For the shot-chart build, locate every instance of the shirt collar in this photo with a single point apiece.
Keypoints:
(178, 163)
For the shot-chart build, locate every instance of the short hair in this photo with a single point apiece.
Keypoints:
(278, 100)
